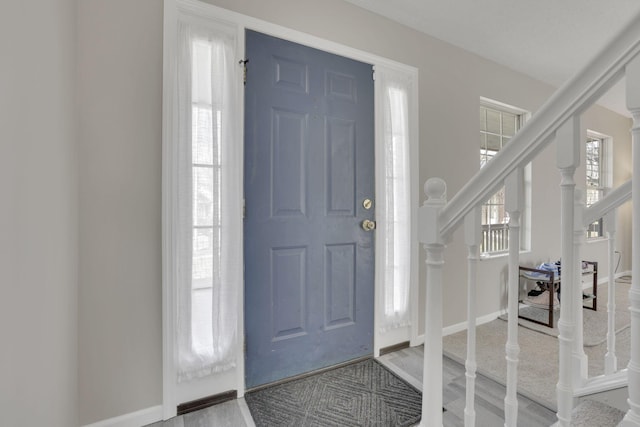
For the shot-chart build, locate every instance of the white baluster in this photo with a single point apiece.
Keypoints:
(568, 159)
(513, 204)
(429, 235)
(632, 418)
(610, 359)
(472, 233)
(580, 360)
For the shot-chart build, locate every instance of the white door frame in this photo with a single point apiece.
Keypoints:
(234, 380)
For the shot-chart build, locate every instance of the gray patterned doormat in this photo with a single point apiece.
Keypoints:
(361, 394)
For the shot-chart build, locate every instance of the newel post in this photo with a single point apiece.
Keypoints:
(633, 104)
(429, 235)
(568, 140)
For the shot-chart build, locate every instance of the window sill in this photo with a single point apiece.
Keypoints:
(488, 257)
(596, 240)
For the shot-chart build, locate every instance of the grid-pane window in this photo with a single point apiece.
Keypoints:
(596, 179)
(497, 127)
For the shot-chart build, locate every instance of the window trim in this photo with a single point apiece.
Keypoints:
(606, 173)
(525, 215)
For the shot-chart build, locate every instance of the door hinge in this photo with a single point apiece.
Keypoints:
(243, 62)
(373, 74)
(244, 208)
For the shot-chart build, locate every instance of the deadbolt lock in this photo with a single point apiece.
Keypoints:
(368, 225)
(367, 203)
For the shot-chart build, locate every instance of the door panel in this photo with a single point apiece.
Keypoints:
(309, 143)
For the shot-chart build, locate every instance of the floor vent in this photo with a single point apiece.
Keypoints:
(394, 347)
(205, 402)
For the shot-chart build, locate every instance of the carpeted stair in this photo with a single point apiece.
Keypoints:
(591, 413)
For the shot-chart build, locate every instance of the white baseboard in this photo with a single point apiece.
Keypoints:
(605, 279)
(418, 341)
(449, 330)
(133, 419)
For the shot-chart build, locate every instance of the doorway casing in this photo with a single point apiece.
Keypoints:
(193, 10)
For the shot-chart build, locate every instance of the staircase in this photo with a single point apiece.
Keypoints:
(558, 120)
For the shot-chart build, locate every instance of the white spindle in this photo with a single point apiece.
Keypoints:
(610, 358)
(580, 361)
(568, 159)
(473, 233)
(429, 235)
(632, 418)
(513, 205)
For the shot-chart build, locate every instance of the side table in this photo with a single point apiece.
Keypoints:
(552, 281)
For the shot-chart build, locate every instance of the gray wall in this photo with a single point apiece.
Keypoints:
(120, 52)
(38, 215)
(120, 92)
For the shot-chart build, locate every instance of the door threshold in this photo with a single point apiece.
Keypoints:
(308, 374)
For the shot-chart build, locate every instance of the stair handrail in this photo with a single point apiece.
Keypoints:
(611, 201)
(575, 96)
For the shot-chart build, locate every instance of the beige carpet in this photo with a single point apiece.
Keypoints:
(593, 413)
(595, 322)
(538, 367)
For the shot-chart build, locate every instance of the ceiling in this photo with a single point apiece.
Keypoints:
(549, 40)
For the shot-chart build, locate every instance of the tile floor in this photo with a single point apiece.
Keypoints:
(234, 413)
(406, 363)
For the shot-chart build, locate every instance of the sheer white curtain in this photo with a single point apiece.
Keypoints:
(207, 211)
(397, 217)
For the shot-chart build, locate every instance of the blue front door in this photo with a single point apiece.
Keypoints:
(309, 167)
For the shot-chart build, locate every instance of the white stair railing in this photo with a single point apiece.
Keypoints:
(428, 234)
(568, 159)
(606, 208)
(610, 358)
(571, 100)
(472, 233)
(580, 360)
(633, 104)
(513, 205)
(558, 119)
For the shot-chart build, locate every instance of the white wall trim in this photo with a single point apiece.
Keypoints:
(133, 419)
(458, 327)
(248, 22)
(603, 280)
(175, 393)
(168, 182)
(450, 330)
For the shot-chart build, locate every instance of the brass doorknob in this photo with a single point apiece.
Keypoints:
(368, 225)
